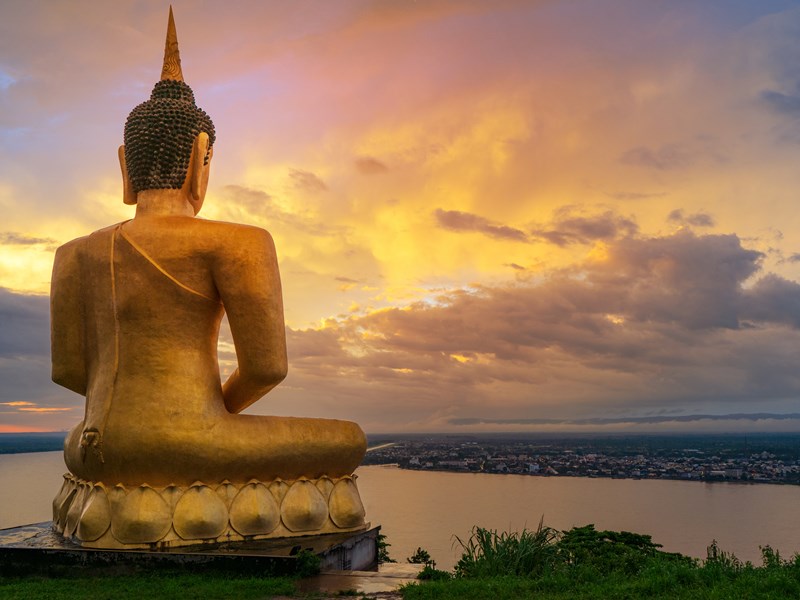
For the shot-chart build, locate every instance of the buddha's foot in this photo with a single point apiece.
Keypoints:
(100, 516)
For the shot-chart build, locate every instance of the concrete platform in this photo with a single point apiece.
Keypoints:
(388, 578)
(37, 549)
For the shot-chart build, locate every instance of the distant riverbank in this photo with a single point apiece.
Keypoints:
(752, 458)
(20, 443)
(666, 477)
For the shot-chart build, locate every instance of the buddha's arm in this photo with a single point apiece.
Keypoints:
(66, 321)
(249, 285)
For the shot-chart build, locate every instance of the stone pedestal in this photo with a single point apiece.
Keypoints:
(38, 550)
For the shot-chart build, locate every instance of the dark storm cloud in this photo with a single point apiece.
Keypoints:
(668, 156)
(773, 299)
(692, 281)
(456, 220)
(649, 420)
(24, 324)
(260, 204)
(570, 228)
(25, 358)
(785, 104)
(18, 239)
(367, 165)
(252, 200)
(307, 181)
(699, 219)
(635, 195)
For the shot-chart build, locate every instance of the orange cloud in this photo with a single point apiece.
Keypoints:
(658, 322)
(5, 428)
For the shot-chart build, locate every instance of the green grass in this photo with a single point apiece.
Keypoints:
(677, 582)
(136, 587)
(585, 563)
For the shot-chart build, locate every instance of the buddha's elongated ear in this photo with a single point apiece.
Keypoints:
(128, 193)
(197, 176)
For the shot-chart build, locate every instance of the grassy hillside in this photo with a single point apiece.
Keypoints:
(544, 564)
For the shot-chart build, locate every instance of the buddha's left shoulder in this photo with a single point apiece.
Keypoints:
(224, 232)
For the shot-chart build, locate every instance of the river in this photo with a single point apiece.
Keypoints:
(423, 508)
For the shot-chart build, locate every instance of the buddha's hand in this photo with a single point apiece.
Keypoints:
(91, 438)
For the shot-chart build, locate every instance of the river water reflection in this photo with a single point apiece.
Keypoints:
(420, 508)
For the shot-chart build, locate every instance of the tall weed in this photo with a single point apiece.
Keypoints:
(488, 553)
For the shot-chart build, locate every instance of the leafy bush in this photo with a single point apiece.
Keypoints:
(383, 550)
(421, 557)
(608, 551)
(584, 552)
(719, 559)
(771, 559)
(490, 554)
(430, 573)
(308, 564)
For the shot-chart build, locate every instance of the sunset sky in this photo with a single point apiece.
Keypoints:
(491, 215)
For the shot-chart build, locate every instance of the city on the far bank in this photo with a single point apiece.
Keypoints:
(761, 458)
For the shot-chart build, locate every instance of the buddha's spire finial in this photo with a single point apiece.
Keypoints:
(172, 57)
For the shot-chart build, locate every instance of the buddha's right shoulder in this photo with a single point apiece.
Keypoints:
(81, 244)
(72, 247)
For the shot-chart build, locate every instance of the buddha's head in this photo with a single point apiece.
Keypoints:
(168, 139)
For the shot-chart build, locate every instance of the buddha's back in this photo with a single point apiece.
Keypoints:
(155, 289)
(157, 319)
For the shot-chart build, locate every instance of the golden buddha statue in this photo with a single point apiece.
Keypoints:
(163, 457)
